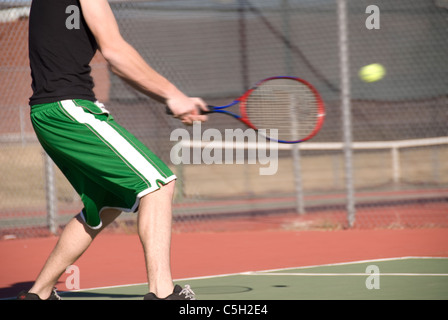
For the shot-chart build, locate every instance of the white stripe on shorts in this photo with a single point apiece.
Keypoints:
(120, 144)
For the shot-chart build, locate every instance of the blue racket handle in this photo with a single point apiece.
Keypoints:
(210, 110)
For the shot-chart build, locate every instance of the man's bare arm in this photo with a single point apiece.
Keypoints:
(127, 63)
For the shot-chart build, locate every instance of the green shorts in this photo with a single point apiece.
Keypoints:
(107, 166)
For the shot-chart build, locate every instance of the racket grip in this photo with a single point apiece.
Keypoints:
(210, 110)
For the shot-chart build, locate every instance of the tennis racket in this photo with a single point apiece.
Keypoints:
(290, 105)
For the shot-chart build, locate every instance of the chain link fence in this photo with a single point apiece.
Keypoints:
(397, 173)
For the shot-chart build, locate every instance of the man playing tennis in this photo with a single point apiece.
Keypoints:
(110, 169)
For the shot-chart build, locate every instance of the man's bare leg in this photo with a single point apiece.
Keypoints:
(74, 240)
(154, 227)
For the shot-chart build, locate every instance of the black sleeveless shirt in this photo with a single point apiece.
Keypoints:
(61, 47)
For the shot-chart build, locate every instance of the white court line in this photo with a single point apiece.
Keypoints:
(265, 272)
(309, 274)
(274, 272)
(268, 271)
(352, 262)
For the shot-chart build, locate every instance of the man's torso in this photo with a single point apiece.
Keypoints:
(60, 48)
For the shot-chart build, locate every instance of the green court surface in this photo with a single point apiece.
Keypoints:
(409, 278)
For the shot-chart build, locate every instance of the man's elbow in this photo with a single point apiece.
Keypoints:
(112, 49)
(110, 54)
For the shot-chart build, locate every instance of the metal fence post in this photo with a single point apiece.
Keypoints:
(346, 112)
(50, 194)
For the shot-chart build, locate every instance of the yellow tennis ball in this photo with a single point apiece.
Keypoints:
(372, 72)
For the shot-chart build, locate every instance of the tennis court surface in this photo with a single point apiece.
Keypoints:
(406, 278)
(354, 264)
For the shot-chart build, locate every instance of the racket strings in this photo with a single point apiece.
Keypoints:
(287, 105)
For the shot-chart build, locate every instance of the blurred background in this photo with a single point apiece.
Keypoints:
(380, 160)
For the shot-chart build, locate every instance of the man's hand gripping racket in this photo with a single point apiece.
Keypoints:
(290, 105)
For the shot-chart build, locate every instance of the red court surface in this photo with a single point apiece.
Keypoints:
(117, 259)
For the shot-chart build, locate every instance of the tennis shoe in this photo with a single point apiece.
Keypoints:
(24, 295)
(178, 294)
